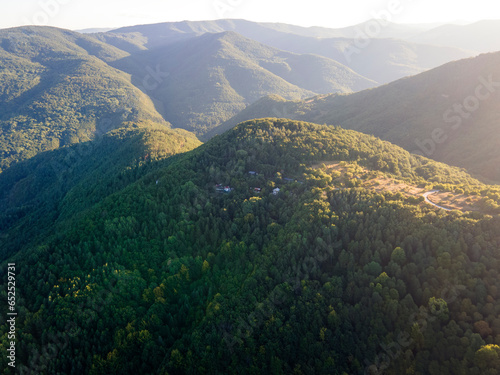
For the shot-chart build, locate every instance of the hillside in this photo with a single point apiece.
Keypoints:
(62, 87)
(439, 113)
(54, 186)
(208, 79)
(382, 59)
(163, 33)
(319, 278)
(57, 89)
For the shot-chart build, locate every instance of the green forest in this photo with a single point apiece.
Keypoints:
(58, 90)
(57, 185)
(423, 113)
(162, 273)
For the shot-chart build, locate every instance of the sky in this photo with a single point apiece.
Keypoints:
(82, 14)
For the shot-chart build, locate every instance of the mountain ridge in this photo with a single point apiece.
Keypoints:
(59, 185)
(343, 48)
(424, 113)
(230, 72)
(60, 91)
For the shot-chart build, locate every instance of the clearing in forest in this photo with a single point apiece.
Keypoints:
(347, 175)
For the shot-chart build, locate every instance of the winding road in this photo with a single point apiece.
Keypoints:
(426, 197)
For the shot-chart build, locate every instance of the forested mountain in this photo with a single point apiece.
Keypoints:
(450, 114)
(57, 89)
(54, 186)
(208, 79)
(172, 275)
(381, 59)
(277, 247)
(61, 87)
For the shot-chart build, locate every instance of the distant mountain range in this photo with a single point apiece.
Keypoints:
(57, 89)
(451, 113)
(382, 59)
(62, 87)
(205, 80)
(94, 30)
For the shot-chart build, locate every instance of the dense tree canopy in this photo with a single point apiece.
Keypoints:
(57, 89)
(170, 275)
